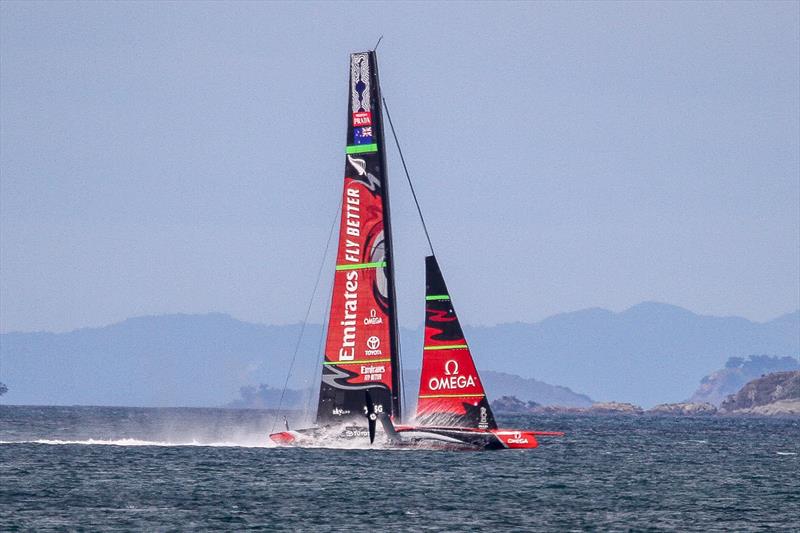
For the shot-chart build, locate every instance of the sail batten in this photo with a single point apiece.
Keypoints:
(361, 149)
(357, 266)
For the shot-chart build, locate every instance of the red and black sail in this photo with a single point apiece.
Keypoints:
(450, 390)
(361, 348)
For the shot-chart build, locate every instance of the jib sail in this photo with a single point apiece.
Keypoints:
(450, 390)
(361, 347)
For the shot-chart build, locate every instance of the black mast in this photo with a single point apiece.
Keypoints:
(397, 378)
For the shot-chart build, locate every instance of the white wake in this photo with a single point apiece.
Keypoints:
(138, 442)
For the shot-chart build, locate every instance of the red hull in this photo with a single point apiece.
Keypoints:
(421, 437)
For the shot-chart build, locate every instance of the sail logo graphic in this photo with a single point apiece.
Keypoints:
(452, 380)
(347, 352)
(373, 318)
(358, 164)
(360, 89)
(352, 218)
(368, 180)
(362, 135)
(373, 343)
(362, 118)
(373, 372)
(352, 432)
(378, 409)
(484, 421)
(517, 438)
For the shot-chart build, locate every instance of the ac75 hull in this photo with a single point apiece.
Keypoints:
(418, 437)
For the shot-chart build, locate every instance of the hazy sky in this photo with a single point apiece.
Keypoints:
(189, 157)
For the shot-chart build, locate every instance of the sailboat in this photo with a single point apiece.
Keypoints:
(361, 370)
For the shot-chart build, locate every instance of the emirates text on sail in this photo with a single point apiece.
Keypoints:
(348, 350)
(352, 254)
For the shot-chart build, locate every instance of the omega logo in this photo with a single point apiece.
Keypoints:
(373, 318)
(518, 438)
(451, 379)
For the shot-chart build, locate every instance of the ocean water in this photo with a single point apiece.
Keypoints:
(100, 468)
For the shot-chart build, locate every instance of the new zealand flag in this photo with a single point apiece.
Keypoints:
(362, 135)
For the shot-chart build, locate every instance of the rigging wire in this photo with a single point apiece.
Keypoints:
(320, 356)
(421, 218)
(305, 320)
(401, 381)
(408, 176)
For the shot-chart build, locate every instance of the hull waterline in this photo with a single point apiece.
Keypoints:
(415, 437)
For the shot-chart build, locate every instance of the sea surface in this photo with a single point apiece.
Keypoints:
(104, 468)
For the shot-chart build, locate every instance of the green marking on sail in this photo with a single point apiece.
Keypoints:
(356, 266)
(447, 347)
(437, 297)
(362, 148)
(356, 362)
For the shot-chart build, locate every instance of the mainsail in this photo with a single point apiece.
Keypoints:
(361, 350)
(361, 364)
(450, 390)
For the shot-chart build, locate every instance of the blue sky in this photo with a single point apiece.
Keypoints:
(188, 157)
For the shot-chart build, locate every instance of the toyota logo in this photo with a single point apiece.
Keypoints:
(373, 343)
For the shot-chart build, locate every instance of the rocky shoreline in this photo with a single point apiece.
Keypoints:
(779, 408)
(776, 394)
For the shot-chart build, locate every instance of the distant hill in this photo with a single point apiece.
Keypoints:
(651, 353)
(496, 384)
(716, 387)
(501, 384)
(155, 361)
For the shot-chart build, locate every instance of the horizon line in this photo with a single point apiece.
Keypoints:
(420, 324)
